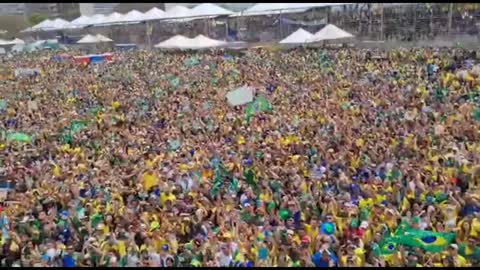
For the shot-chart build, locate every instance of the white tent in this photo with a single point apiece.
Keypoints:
(45, 23)
(201, 42)
(96, 19)
(80, 22)
(177, 41)
(330, 32)
(17, 41)
(12, 42)
(299, 36)
(178, 12)
(208, 9)
(182, 42)
(132, 16)
(58, 24)
(113, 18)
(154, 14)
(102, 38)
(88, 39)
(277, 8)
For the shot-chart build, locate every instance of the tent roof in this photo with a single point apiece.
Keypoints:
(202, 41)
(113, 18)
(299, 36)
(178, 12)
(45, 23)
(177, 41)
(58, 24)
(96, 19)
(154, 14)
(133, 16)
(102, 38)
(80, 21)
(50, 25)
(330, 32)
(16, 41)
(208, 9)
(88, 39)
(277, 8)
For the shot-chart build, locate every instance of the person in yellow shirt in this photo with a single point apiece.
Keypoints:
(458, 260)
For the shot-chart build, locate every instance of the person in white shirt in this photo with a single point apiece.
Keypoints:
(154, 259)
(224, 257)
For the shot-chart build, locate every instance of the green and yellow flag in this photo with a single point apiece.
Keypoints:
(407, 236)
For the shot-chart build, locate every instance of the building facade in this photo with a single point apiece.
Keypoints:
(90, 9)
(49, 9)
(12, 9)
(69, 11)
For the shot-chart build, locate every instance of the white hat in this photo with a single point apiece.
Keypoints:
(454, 246)
(364, 225)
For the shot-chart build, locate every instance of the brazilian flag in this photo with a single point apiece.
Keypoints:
(220, 174)
(249, 176)
(260, 104)
(407, 236)
(73, 128)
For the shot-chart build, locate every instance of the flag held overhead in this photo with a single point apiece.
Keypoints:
(240, 96)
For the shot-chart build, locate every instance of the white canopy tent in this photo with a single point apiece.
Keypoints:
(176, 42)
(132, 16)
(102, 38)
(97, 19)
(88, 39)
(282, 8)
(113, 18)
(58, 24)
(45, 23)
(80, 22)
(208, 9)
(154, 14)
(203, 42)
(297, 37)
(178, 13)
(330, 32)
(16, 41)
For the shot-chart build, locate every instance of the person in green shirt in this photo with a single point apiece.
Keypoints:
(470, 250)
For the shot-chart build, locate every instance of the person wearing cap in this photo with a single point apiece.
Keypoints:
(68, 259)
(164, 256)
(458, 260)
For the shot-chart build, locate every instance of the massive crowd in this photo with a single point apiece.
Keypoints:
(143, 162)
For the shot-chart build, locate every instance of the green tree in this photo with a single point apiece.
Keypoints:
(37, 18)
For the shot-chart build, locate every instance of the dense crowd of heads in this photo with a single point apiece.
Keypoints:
(143, 162)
